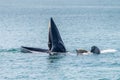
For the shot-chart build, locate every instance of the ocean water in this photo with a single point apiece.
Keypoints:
(79, 26)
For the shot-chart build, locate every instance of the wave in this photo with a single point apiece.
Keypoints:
(13, 50)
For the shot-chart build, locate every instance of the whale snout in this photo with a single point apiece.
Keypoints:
(95, 50)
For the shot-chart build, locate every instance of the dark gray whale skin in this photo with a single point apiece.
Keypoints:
(55, 43)
(30, 49)
(95, 50)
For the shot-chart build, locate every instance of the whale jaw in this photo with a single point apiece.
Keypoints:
(55, 42)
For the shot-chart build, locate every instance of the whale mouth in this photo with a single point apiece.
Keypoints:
(55, 43)
(31, 49)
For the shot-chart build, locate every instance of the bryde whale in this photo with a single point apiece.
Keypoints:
(94, 50)
(55, 43)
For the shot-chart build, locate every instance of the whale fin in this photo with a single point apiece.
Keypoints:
(55, 42)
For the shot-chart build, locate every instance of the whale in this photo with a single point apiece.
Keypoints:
(55, 42)
(94, 50)
(32, 49)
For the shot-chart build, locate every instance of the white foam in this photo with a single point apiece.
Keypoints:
(108, 51)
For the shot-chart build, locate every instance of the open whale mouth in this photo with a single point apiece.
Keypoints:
(31, 49)
(55, 42)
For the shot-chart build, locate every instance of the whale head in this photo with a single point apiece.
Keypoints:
(95, 50)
